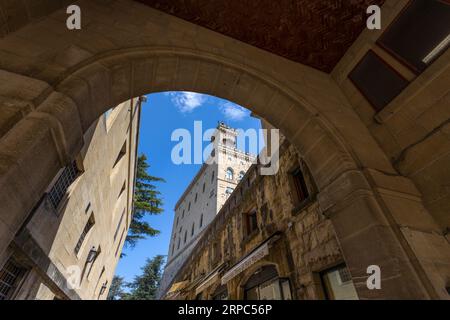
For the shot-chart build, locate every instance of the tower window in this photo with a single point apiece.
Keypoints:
(201, 220)
(229, 191)
(193, 229)
(229, 174)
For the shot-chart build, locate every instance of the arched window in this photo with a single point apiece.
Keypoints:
(228, 191)
(201, 220)
(241, 175)
(193, 229)
(185, 236)
(229, 174)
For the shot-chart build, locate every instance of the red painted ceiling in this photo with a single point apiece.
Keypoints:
(312, 32)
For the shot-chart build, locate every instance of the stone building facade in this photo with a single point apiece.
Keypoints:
(367, 109)
(204, 197)
(70, 245)
(270, 241)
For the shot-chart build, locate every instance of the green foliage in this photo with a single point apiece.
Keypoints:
(144, 286)
(116, 289)
(147, 200)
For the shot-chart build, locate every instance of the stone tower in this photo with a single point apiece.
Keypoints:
(204, 197)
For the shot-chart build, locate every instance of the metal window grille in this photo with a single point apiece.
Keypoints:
(67, 177)
(10, 276)
(87, 227)
(345, 275)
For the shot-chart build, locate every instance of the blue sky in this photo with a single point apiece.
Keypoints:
(161, 115)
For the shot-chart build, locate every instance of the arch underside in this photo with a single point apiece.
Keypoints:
(69, 79)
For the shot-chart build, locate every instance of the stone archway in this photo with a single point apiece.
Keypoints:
(76, 76)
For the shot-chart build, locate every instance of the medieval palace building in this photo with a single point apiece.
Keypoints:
(204, 197)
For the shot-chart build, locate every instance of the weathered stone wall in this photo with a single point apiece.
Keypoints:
(307, 242)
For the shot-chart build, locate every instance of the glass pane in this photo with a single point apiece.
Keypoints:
(252, 294)
(336, 288)
(286, 289)
(270, 291)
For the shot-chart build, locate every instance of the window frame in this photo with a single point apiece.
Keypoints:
(397, 56)
(298, 203)
(251, 225)
(18, 280)
(359, 88)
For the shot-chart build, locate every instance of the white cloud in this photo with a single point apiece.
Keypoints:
(187, 101)
(234, 112)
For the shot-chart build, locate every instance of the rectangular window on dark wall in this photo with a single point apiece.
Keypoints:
(377, 81)
(420, 34)
(301, 190)
(251, 222)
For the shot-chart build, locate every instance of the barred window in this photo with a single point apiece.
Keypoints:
(59, 189)
(344, 275)
(89, 224)
(10, 276)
